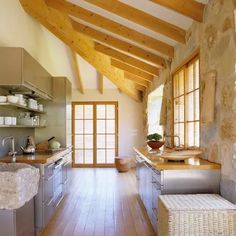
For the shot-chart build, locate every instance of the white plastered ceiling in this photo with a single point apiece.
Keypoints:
(89, 73)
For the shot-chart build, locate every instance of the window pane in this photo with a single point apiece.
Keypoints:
(176, 110)
(79, 112)
(101, 141)
(190, 108)
(110, 126)
(111, 141)
(181, 134)
(88, 111)
(111, 156)
(197, 134)
(79, 127)
(101, 156)
(110, 111)
(196, 74)
(181, 82)
(190, 85)
(79, 156)
(88, 141)
(181, 109)
(88, 156)
(88, 129)
(176, 90)
(190, 134)
(79, 141)
(101, 111)
(101, 126)
(197, 109)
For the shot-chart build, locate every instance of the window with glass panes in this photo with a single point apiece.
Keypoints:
(95, 133)
(186, 104)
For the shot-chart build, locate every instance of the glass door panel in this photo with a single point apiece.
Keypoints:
(83, 134)
(95, 133)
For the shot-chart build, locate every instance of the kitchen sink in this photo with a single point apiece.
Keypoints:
(18, 184)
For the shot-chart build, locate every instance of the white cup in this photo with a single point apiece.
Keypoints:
(7, 120)
(13, 120)
(1, 120)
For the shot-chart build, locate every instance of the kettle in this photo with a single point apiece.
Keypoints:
(30, 146)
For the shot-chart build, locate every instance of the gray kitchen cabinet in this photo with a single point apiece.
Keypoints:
(21, 73)
(152, 183)
(58, 115)
(53, 183)
(18, 222)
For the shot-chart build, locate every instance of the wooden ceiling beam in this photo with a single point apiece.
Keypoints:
(112, 26)
(117, 43)
(136, 79)
(132, 70)
(189, 8)
(100, 83)
(142, 18)
(75, 65)
(140, 88)
(127, 59)
(60, 25)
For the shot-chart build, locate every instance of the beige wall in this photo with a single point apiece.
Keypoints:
(216, 40)
(130, 117)
(17, 29)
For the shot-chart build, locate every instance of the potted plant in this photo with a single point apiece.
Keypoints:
(154, 141)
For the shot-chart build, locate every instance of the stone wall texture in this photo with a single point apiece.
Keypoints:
(215, 39)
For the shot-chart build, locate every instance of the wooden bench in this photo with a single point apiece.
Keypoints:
(196, 215)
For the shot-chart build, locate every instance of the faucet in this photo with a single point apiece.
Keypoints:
(172, 136)
(12, 152)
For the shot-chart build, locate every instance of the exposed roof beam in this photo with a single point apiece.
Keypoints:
(132, 70)
(141, 18)
(189, 8)
(75, 65)
(112, 26)
(140, 88)
(136, 79)
(100, 83)
(60, 25)
(127, 59)
(117, 43)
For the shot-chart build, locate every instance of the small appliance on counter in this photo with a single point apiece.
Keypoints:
(30, 146)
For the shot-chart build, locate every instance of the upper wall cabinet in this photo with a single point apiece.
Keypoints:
(21, 73)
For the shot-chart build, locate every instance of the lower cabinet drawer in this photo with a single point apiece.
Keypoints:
(48, 189)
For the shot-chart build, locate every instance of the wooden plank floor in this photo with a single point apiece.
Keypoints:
(100, 202)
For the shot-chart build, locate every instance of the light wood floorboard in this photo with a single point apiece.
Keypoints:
(100, 202)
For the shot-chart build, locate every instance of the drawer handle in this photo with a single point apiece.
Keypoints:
(48, 179)
(51, 165)
(49, 203)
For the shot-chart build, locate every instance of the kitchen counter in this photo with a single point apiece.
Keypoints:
(37, 158)
(161, 164)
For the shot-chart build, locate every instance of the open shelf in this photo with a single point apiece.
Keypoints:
(22, 126)
(21, 107)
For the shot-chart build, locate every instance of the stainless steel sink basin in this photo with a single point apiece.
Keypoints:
(18, 184)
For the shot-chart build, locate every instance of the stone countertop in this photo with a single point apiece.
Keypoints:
(161, 164)
(37, 158)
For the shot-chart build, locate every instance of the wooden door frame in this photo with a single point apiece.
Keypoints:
(94, 103)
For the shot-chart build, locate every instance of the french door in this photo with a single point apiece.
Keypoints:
(94, 133)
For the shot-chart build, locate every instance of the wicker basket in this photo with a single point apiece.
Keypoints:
(196, 215)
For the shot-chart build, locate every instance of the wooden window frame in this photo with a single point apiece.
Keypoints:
(184, 66)
(94, 103)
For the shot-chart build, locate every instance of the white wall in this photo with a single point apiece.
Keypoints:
(130, 117)
(18, 29)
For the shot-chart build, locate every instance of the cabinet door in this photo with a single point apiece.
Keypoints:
(35, 76)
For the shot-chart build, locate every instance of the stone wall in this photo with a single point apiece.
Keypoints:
(216, 40)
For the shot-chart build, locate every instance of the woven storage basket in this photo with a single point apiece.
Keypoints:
(196, 215)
